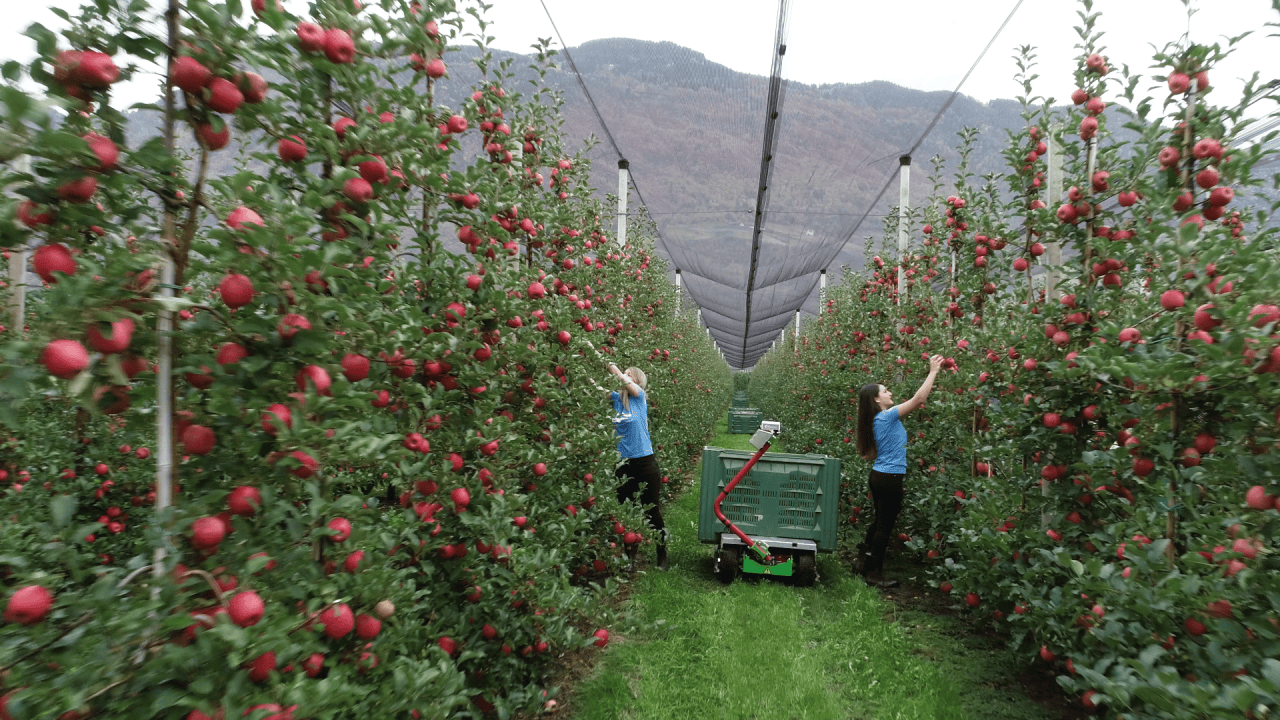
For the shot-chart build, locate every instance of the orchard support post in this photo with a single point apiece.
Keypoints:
(679, 291)
(623, 167)
(904, 201)
(164, 323)
(1054, 193)
(822, 286)
(18, 266)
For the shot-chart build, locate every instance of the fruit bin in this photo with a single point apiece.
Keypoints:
(743, 421)
(788, 501)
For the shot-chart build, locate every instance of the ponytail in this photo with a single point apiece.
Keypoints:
(867, 411)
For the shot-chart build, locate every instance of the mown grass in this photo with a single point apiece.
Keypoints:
(761, 649)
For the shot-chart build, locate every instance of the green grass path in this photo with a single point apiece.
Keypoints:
(759, 649)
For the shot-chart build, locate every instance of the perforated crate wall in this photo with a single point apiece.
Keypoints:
(784, 495)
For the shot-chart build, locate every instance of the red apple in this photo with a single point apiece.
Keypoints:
(198, 440)
(358, 189)
(190, 74)
(236, 290)
(224, 96)
(293, 149)
(253, 86)
(52, 258)
(29, 214)
(28, 605)
(244, 500)
(207, 532)
(317, 376)
(342, 526)
(338, 46)
(65, 358)
(337, 620)
(275, 415)
(246, 609)
(231, 353)
(214, 139)
(290, 324)
(307, 465)
(311, 37)
(367, 627)
(107, 152)
(96, 70)
(121, 336)
(259, 670)
(355, 367)
(240, 217)
(78, 191)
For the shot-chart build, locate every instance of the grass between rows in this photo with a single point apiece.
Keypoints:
(761, 649)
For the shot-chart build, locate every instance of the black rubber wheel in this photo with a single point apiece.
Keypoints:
(805, 570)
(728, 564)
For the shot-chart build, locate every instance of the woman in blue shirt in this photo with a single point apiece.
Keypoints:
(882, 438)
(638, 469)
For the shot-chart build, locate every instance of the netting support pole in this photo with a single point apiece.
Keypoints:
(797, 333)
(1054, 193)
(904, 202)
(623, 167)
(18, 267)
(679, 292)
(822, 287)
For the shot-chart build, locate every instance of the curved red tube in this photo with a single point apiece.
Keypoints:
(727, 488)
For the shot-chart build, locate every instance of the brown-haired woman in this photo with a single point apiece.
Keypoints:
(882, 438)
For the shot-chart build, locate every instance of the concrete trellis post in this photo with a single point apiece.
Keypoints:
(822, 286)
(18, 266)
(679, 292)
(623, 167)
(1054, 193)
(904, 202)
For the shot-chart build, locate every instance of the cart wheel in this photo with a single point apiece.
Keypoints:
(728, 564)
(805, 571)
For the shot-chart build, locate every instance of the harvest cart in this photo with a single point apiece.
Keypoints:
(768, 513)
(743, 421)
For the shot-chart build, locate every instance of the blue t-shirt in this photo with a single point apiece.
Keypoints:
(891, 442)
(632, 426)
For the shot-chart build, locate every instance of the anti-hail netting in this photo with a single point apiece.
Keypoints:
(693, 132)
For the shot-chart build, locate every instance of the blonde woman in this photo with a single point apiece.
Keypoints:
(638, 469)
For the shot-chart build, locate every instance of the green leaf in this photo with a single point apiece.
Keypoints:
(61, 509)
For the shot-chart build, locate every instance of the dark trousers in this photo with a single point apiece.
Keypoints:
(886, 499)
(642, 480)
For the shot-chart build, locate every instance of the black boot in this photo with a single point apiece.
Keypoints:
(861, 562)
(663, 563)
(876, 579)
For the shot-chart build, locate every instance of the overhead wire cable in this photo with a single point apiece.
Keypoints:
(599, 118)
(932, 123)
(772, 110)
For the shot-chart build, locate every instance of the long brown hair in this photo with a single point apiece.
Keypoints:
(868, 408)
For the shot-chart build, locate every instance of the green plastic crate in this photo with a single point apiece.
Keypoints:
(743, 421)
(784, 496)
(740, 400)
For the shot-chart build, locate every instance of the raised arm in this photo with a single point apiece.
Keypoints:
(910, 406)
(632, 388)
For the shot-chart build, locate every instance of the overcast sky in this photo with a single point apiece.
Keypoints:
(923, 44)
